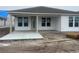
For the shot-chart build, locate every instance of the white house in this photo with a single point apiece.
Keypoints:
(45, 18)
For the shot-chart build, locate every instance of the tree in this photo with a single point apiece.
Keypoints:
(3, 19)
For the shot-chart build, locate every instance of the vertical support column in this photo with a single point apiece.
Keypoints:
(36, 23)
(10, 23)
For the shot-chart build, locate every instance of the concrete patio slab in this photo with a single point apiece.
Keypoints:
(22, 35)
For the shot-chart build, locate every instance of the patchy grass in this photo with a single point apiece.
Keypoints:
(53, 42)
(41, 46)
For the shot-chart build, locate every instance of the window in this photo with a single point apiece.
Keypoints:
(25, 21)
(43, 22)
(46, 21)
(70, 21)
(22, 21)
(76, 21)
(19, 21)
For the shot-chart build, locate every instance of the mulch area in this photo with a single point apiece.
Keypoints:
(73, 35)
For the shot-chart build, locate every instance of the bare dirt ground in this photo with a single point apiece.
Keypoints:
(53, 42)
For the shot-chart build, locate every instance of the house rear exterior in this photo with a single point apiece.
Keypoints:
(45, 18)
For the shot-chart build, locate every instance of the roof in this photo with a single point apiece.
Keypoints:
(42, 9)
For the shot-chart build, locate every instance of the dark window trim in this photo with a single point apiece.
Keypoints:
(20, 22)
(23, 23)
(70, 21)
(45, 22)
(76, 21)
(48, 22)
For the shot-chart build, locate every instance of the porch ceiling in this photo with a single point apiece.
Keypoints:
(22, 35)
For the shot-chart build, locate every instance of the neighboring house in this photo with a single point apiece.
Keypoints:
(45, 18)
(2, 21)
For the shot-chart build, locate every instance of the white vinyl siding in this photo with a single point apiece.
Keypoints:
(65, 24)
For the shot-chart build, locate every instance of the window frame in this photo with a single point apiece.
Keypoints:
(23, 21)
(48, 22)
(20, 22)
(45, 22)
(25, 24)
(76, 21)
(71, 21)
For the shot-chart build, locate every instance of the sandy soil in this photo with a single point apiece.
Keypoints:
(53, 42)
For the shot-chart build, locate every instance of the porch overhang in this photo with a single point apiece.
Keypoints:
(30, 13)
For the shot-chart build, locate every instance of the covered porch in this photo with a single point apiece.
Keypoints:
(34, 22)
(24, 23)
(29, 25)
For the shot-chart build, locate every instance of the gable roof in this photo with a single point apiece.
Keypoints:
(42, 9)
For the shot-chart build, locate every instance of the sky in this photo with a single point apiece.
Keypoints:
(3, 13)
(72, 8)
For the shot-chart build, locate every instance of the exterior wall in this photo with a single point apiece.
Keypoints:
(65, 24)
(58, 23)
(52, 27)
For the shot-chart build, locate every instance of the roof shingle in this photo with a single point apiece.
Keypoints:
(42, 9)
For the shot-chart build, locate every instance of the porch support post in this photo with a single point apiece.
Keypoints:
(37, 23)
(10, 23)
